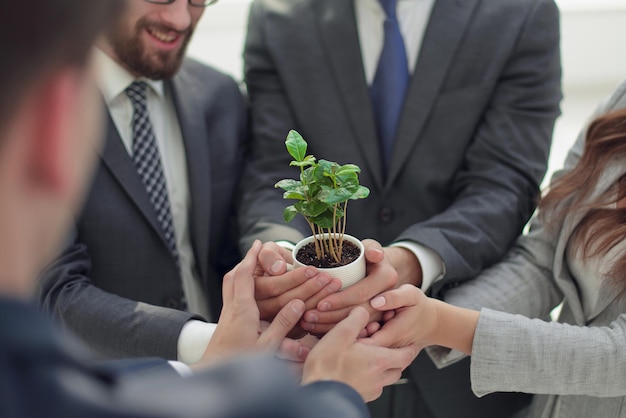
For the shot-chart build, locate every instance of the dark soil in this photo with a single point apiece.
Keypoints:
(306, 255)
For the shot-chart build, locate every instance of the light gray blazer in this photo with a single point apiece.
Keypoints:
(578, 363)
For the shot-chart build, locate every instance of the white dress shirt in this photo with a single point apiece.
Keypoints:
(413, 17)
(113, 80)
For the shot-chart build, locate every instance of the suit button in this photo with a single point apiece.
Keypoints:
(171, 303)
(386, 215)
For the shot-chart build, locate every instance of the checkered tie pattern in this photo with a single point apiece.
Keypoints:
(148, 162)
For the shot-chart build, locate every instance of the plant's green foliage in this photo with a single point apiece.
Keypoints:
(323, 190)
(290, 213)
(296, 145)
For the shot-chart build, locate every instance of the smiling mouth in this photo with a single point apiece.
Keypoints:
(165, 36)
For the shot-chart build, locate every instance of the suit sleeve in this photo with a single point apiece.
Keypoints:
(522, 283)
(137, 329)
(496, 189)
(261, 206)
(516, 354)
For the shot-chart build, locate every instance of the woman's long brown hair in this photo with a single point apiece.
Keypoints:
(604, 225)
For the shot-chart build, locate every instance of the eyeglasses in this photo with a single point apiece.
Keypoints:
(195, 3)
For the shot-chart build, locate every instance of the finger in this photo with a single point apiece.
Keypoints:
(318, 293)
(372, 327)
(273, 286)
(401, 358)
(390, 335)
(347, 331)
(316, 317)
(293, 350)
(228, 286)
(405, 295)
(285, 320)
(379, 280)
(389, 315)
(332, 317)
(273, 258)
(311, 290)
(391, 376)
(244, 275)
(323, 328)
(306, 291)
(373, 251)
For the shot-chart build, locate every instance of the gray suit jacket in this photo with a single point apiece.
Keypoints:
(116, 284)
(580, 363)
(471, 147)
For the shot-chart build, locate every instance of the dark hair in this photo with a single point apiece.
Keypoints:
(604, 226)
(38, 37)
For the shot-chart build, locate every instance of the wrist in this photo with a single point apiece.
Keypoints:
(406, 265)
(453, 327)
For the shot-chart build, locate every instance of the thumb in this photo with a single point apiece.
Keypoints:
(348, 330)
(283, 323)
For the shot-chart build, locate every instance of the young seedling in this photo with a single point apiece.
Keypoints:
(322, 194)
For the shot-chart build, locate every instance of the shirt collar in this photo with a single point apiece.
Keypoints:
(113, 78)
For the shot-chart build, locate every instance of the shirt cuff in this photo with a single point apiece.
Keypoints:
(181, 368)
(287, 245)
(193, 340)
(433, 267)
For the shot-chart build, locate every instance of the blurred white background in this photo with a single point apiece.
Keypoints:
(594, 58)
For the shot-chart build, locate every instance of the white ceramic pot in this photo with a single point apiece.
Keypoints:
(348, 274)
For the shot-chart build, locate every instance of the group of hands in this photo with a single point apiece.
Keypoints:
(364, 336)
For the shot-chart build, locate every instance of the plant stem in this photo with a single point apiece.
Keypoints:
(318, 251)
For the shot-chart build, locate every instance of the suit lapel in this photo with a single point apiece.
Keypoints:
(337, 26)
(445, 31)
(196, 140)
(116, 159)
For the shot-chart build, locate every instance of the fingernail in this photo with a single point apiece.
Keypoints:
(311, 317)
(307, 326)
(323, 280)
(335, 286)
(298, 308)
(277, 267)
(378, 302)
(324, 306)
(309, 272)
(303, 352)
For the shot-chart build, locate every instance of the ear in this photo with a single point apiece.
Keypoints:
(55, 110)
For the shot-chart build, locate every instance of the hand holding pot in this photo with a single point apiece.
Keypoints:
(239, 329)
(275, 286)
(381, 276)
(367, 368)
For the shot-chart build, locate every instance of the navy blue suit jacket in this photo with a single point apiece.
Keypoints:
(43, 375)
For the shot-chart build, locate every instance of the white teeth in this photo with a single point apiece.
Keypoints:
(163, 37)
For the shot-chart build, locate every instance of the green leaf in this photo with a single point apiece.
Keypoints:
(311, 209)
(332, 196)
(294, 195)
(350, 184)
(308, 161)
(348, 169)
(324, 220)
(361, 193)
(289, 213)
(288, 184)
(296, 145)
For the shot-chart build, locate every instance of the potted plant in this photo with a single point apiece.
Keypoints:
(322, 194)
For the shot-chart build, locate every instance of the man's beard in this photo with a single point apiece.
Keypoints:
(131, 52)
